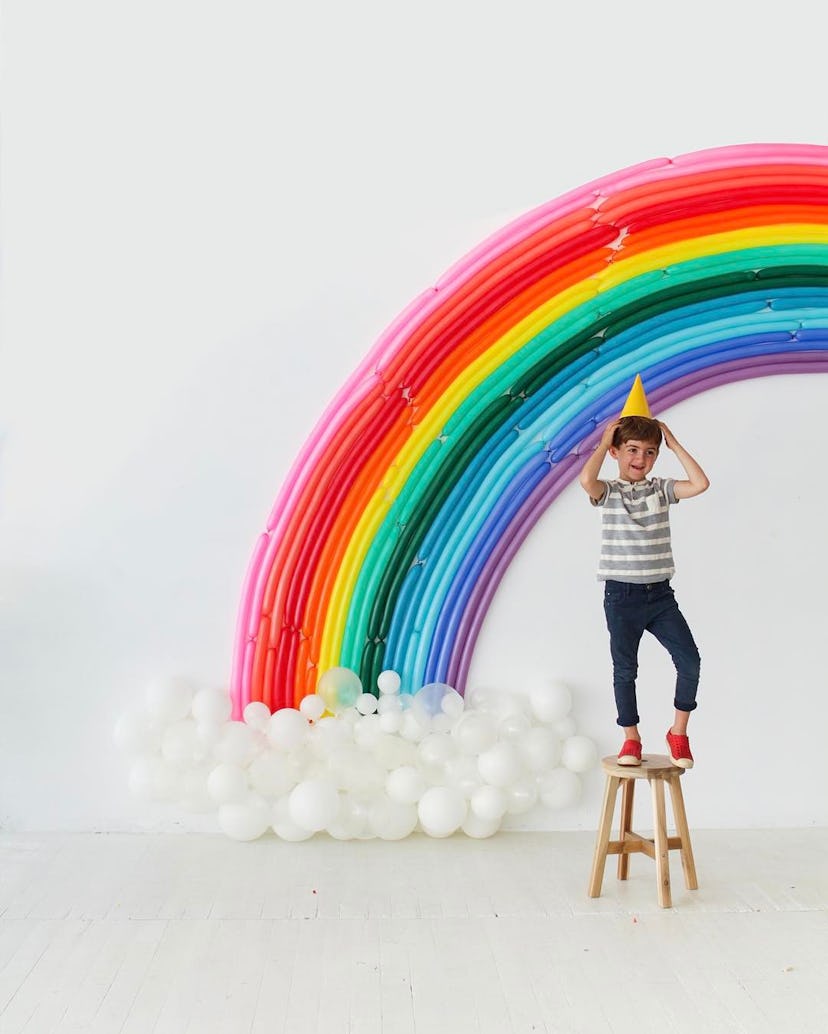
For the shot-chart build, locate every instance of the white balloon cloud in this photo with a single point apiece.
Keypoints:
(356, 765)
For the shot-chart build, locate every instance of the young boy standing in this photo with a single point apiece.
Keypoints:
(636, 566)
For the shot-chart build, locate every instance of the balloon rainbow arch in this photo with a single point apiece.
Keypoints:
(474, 409)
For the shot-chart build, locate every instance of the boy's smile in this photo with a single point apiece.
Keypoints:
(635, 459)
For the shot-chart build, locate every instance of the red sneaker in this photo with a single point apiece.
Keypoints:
(630, 753)
(679, 747)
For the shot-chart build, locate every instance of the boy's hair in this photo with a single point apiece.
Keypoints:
(639, 429)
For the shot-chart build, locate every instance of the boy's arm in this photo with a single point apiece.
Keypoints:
(589, 479)
(697, 481)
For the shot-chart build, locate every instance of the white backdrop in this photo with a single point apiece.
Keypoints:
(211, 210)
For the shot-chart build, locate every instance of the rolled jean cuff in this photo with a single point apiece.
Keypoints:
(627, 725)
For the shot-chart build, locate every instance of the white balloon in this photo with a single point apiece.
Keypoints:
(180, 744)
(341, 761)
(481, 698)
(565, 727)
(500, 764)
(413, 727)
(443, 722)
(474, 733)
(479, 828)
(462, 773)
(452, 704)
(392, 820)
(352, 820)
(550, 700)
(390, 721)
(367, 731)
(405, 785)
(540, 748)
(246, 819)
(209, 735)
(153, 779)
(506, 705)
(366, 703)
(389, 705)
(325, 735)
(442, 811)
(391, 751)
(388, 681)
(515, 726)
(313, 804)
(489, 803)
(257, 715)
(436, 748)
(579, 754)
(238, 743)
(312, 707)
(195, 796)
(169, 699)
(287, 728)
(272, 773)
(363, 775)
(166, 782)
(283, 825)
(212, 706)
(227, 783)
(559, 788)
(136, 733)
(521, 796)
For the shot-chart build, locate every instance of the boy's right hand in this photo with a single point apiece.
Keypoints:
(609, 433)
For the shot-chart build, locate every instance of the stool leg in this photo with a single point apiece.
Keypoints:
(683, 830)
(662, 850)
(602, 839)
(627, 792)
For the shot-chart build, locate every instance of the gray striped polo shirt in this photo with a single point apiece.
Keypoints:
(635, 531)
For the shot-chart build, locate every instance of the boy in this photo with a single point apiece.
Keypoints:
(636, 566)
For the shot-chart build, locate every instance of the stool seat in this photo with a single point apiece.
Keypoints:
(657, 769)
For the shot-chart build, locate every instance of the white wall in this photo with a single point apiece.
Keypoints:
(211, 210)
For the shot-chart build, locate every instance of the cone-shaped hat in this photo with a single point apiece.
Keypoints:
(636, 404)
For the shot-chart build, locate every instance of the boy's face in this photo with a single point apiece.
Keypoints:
(635, 459)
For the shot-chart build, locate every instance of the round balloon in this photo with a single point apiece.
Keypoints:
(550, 700)
(313, 804)
(246, 819)
(442, 811)
(388, 681)
(579, 754)
(340, 688)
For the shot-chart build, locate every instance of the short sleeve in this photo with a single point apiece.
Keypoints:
(604, 497)
(667, 488)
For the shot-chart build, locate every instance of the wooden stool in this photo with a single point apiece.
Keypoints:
(658, 770)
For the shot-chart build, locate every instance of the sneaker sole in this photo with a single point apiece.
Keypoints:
(629, 760)
(681, 762)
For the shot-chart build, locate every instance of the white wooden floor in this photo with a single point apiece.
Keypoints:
(167, 934)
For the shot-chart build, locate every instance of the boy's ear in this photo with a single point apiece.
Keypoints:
(613, 451)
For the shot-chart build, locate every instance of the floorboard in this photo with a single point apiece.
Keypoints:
(197, 934)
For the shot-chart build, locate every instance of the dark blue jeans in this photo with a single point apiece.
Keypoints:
(631, 611)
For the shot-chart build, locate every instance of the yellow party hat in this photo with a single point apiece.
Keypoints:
(636, 404)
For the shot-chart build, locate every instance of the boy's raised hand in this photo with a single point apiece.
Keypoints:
(696, 481)
(590, 482)
(669, 438)
(609, 432)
